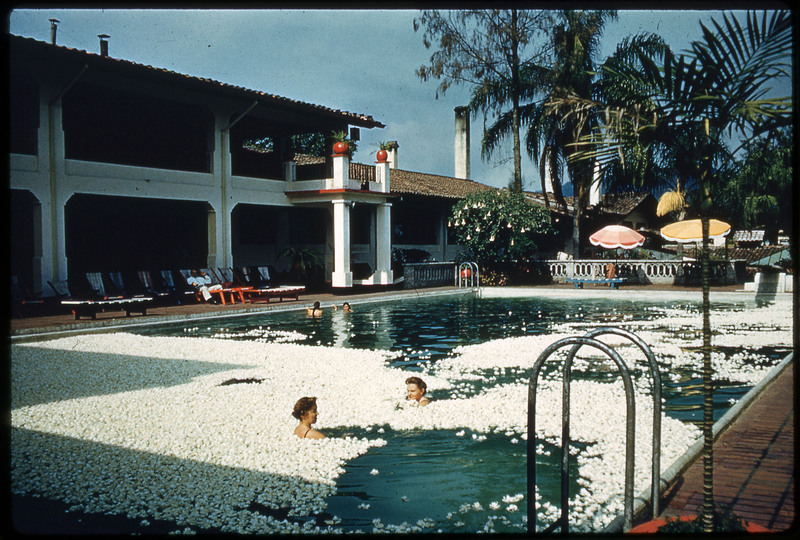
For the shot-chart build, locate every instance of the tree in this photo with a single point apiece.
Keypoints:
(499, 226)
(698, 101)
(759, 192)
(486, 48)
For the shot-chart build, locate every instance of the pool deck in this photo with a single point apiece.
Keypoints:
(753, 457)
(753, 463)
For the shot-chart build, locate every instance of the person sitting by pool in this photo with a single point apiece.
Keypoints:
(305, 410)
(315, 310)
(203, 284)
(416, 388)
(611, 271)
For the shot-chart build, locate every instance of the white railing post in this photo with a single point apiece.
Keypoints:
(341, 171)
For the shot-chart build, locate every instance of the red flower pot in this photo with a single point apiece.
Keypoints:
(382, 156)
(340, 148)
(653, 526)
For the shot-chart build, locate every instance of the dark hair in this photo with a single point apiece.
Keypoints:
(303, 405)
(419, 382)
(316, 305)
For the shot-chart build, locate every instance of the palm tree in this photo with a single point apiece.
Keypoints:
(718, 89)
(557, 114)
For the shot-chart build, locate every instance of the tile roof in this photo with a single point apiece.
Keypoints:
(622, 203)
(362, 120)
(752, 255)
(433, 185)
(413, 183)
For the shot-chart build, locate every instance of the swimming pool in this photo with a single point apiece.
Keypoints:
(477, 467)
(159, 399)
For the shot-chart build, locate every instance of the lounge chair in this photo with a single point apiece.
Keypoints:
(90, 308)
(186, 274)
(98, 286)
(291, 292)
(180, 292)
(146, 279)
(22, 301)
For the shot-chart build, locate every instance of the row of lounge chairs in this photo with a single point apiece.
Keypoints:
(247, 284)
(134, 293)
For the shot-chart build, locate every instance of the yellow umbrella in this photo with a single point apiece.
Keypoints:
(691, 230)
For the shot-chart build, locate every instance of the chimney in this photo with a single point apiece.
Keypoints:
(53, 27)
(103, 44)
(393, 146)
(462, 142)
(596, 190)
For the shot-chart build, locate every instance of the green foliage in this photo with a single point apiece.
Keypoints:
(304, 260)
(488, 49)
(758, 194)
(312, 144)
(499, 226)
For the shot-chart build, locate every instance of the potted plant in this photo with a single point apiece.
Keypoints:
(382, 154)
(305, 261)
(342, 143)
(724, 521)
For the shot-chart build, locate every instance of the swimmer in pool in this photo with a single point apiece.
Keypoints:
(305, 410)
(416, 389)
(345, 307)
(315, 310)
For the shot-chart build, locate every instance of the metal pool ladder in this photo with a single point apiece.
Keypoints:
(577, 342)
(468, 275)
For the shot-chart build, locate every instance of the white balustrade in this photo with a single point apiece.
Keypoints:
(640, 271)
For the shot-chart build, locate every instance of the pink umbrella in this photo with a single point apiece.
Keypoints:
(617, 236)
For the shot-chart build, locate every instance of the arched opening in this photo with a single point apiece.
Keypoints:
(127, 234)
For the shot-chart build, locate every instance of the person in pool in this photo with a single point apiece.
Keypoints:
(416, 388)
(345, 307)
(305, 410)
(315, 310)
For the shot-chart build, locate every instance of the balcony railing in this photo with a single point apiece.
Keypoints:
(429, 274)
(643, 271)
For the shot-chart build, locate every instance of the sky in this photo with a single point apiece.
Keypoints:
(361, 61)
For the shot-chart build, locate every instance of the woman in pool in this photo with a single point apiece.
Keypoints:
(416, 388)
(315, 310)
(345, 307)
(305, 410)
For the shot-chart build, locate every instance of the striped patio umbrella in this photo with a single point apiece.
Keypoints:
(691, 230)
(617, 236)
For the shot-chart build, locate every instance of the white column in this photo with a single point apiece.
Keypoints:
(383, 244)
(341, 276)
(341, 171)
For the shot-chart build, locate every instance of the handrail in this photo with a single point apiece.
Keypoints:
(468, 274)
(577, 342)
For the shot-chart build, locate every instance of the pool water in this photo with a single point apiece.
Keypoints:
(427, 475)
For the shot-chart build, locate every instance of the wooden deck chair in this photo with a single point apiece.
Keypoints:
(180, 292)
(264, 275)
(146, 279)
(22, 301)
(61, 288)
(118, 284)
(98, 286)
(240, 277)
(226, 277)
